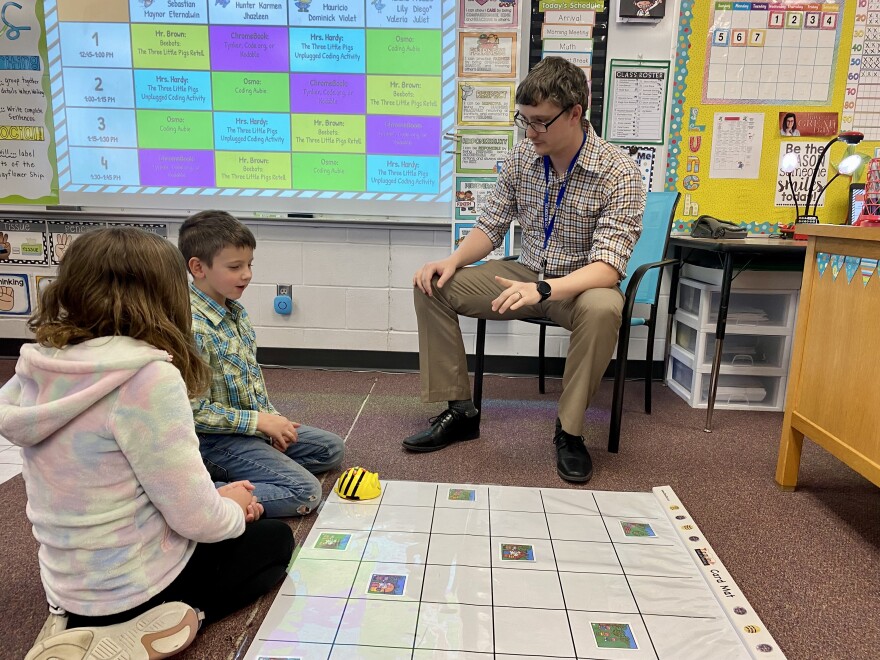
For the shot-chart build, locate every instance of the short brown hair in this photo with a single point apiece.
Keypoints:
(556, 80)
(206, 233)
(123, 281)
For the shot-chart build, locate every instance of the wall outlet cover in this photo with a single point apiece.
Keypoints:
(283, 305)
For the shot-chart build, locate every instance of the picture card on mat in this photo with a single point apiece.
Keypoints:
(387, 585)
(613, 636)
(462, 494)
(637, 529)
(329, 541)
(517, 552)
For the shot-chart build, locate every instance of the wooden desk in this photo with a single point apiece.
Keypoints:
(728, 250)
(834, 379)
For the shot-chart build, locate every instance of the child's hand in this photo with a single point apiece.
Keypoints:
(254, 511)
(247, 484)
(239, 494)
(280, 430)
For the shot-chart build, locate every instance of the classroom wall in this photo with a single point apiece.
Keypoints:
(352, 290)
(352, 285)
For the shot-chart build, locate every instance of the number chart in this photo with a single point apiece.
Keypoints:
(766, 52)
(861, 103)
(238, 97)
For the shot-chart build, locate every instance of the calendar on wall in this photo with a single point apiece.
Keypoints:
(861, 103)
(771, 52)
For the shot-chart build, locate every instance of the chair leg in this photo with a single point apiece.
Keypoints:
(649, 358)
(479, 363)
(542, 336)
(619, 383)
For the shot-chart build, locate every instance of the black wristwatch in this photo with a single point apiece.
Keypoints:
(543, 289)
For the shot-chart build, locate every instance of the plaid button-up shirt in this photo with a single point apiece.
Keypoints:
(228, 343)
(600, 218)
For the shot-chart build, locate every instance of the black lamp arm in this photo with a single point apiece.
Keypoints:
(816, 171)
(797, 208)
(821, 190)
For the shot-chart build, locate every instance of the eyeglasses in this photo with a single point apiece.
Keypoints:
(537, 126)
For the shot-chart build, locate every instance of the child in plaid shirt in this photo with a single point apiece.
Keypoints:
(241, 434)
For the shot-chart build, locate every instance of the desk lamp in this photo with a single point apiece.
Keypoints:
(850, 137)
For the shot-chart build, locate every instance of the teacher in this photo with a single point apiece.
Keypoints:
(579, 203)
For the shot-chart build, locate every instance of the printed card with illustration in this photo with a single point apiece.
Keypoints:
(614, 636)
(462, 494)
(15, 297)
(637, 529)
(517, 552)
(330, 541)
(387, 585)
(23, 242)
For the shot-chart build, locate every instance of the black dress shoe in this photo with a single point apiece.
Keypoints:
(573, 462)
(447, 427)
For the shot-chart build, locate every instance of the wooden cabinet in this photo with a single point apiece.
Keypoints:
(834, 382)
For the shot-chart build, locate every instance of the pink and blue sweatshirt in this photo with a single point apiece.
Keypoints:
(117, 492)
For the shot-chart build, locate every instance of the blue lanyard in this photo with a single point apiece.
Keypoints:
(550, 220)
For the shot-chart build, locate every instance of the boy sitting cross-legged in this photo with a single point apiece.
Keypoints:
(241, 435)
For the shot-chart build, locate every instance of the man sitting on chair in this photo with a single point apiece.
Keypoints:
(579, 202)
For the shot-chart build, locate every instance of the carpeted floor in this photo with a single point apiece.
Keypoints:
(808, 561)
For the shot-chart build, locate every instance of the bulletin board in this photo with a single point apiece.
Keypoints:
(739, 68)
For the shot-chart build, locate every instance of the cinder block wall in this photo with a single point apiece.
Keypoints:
(352, 290)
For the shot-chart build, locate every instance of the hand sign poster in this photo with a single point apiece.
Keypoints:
(23, 242)
(15, 296)
(62, 234)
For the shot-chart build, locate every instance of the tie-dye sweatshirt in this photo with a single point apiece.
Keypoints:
(117, 492)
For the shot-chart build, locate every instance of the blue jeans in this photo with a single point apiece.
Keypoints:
(284, 482)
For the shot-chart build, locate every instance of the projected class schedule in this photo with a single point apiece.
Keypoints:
(320, 95)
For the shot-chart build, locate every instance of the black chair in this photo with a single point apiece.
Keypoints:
(641, 286)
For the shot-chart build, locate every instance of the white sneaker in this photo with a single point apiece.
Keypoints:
(55, 623)
(158, 633)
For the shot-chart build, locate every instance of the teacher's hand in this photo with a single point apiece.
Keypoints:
(445, 268)
(515, 295)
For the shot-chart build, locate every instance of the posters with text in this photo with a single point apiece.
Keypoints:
(488, 13)
(471, 193)
(637, 102)
(27, 147)
(487, 54)
(15, 299)
(485, 103)
(460, 230)
(23, 242)
(736, 145)
(482, 152)
(62, 234)
(807, 154)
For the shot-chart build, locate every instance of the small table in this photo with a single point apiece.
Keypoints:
(728, 250)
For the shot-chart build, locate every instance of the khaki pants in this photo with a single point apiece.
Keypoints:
(593, 318)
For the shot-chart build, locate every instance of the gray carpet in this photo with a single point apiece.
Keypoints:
(808, 561)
